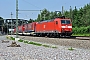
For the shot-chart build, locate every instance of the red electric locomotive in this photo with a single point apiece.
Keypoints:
(59, 26)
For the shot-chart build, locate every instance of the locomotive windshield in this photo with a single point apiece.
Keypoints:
(65, 21)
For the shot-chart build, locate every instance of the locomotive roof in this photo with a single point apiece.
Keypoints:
(45, 20)
(61, 17)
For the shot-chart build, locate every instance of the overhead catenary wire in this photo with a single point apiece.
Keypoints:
(31, 9)
(31, 4)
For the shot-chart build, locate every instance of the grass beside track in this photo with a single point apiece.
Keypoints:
(30, 42)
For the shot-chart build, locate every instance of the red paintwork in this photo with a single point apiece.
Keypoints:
(31, 26)
(27, 27)
(51, 26)
(21, 28)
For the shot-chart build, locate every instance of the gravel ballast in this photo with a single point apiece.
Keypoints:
(33, 52)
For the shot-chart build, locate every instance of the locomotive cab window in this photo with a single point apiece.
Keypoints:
(65, 21)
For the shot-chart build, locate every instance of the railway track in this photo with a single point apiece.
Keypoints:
(72, 37)
(79, 37)
(74, 41)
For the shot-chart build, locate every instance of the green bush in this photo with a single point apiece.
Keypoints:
(35, 43)
(54, 47)
(25, 41)
(71, 49)
(46, 45)
(81, 30)
(20, 40)
(12, 38)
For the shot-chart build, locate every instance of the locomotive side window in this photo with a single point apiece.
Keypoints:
(56, 22)
(65, 21)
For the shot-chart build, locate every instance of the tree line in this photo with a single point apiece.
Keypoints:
(80, 18)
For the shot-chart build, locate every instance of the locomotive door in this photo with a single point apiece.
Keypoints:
(56, 26)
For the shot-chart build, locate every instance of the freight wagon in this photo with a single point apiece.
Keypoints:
(27, 29)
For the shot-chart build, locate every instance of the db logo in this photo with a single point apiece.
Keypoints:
(44, 26)
(66, 26)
